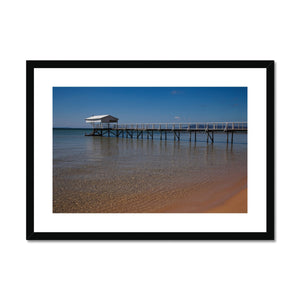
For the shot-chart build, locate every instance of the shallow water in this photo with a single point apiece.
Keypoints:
(101, 174)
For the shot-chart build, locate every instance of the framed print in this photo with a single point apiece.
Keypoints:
(150, 150)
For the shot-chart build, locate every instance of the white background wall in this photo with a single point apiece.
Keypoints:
(153, 30)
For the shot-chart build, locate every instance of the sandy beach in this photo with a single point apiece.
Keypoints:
(235, 204)
(229, 199)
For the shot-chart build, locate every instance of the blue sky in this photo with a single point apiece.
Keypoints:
(71, 105)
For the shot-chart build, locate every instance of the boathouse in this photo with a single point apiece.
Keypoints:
(96, 120)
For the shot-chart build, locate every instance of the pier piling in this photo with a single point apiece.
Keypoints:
(138, 131)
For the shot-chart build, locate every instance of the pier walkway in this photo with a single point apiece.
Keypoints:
(146, 130)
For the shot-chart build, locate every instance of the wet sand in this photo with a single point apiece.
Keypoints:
(235, 204)
(228, 199)
(221, 197)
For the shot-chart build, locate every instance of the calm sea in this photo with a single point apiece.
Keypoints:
(102, 174)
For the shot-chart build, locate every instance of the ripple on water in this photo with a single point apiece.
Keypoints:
(94, 174)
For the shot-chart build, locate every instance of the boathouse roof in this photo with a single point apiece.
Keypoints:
(101, 119)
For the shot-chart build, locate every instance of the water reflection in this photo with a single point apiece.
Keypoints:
(150, 151)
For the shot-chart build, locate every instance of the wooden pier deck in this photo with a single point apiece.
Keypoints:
(146, 130)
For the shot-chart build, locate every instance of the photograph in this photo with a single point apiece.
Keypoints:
(150, 149)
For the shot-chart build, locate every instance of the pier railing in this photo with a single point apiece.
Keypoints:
(176, 126)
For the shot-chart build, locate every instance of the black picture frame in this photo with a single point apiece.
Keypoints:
(31, 234)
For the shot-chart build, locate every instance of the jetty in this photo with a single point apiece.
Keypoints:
(107, 125)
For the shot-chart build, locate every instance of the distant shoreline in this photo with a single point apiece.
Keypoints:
(72, 128)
